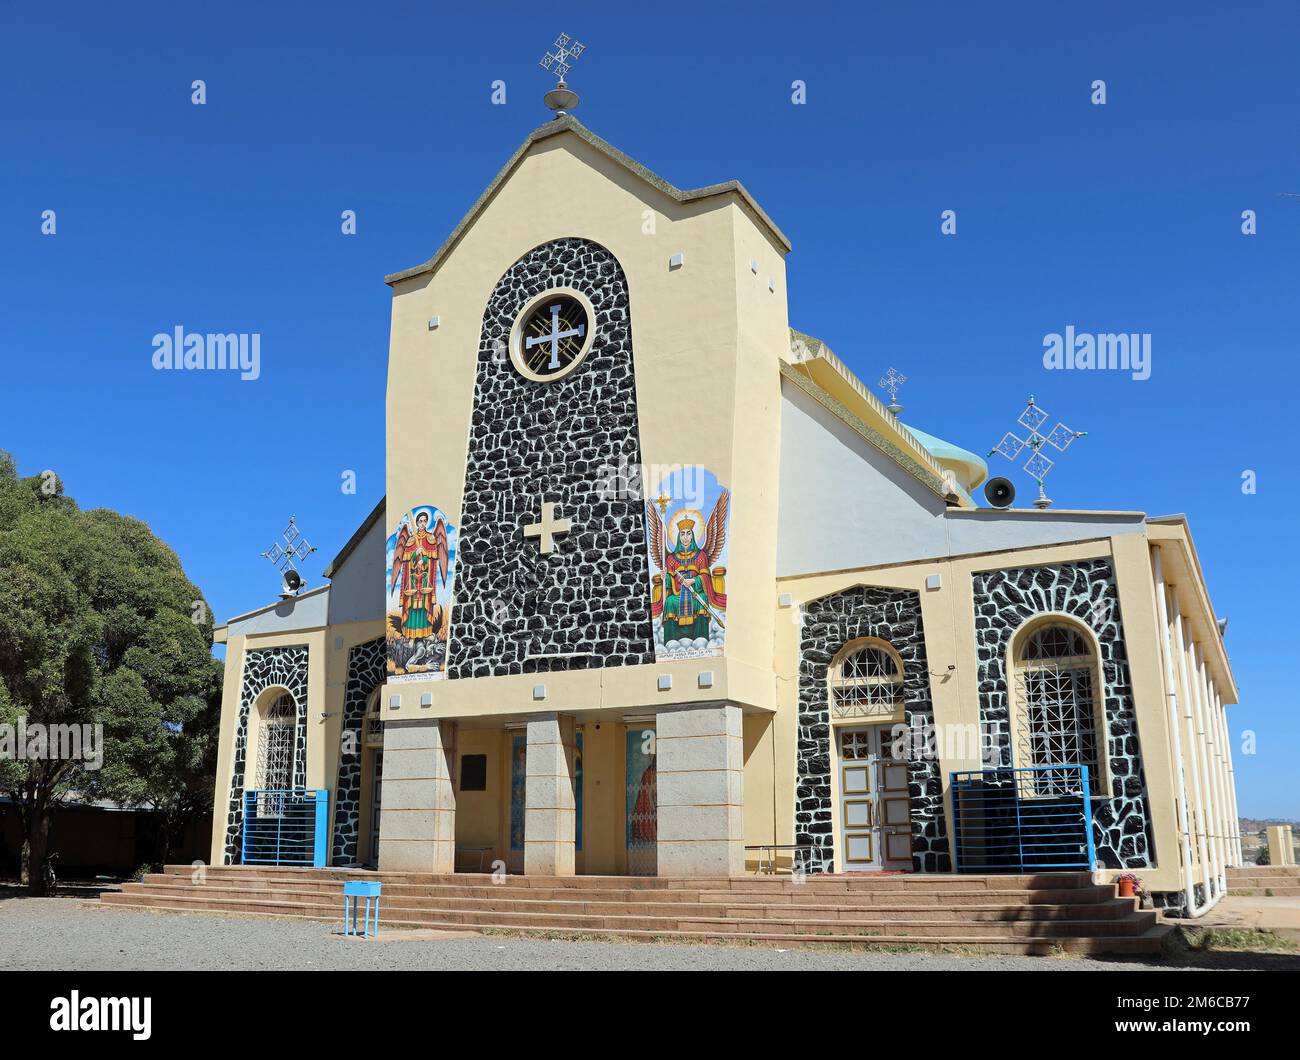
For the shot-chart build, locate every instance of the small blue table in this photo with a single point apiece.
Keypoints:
(352, 890)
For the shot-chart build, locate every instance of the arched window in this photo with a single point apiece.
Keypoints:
(374, 735)
(866, 681)
(1058, 720)
(276, 743)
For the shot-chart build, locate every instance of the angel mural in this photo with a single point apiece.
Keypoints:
(421, 564)
(688, 573)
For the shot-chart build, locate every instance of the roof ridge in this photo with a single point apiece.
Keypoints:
(569, 123)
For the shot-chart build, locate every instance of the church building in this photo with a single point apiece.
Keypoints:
(659, 587)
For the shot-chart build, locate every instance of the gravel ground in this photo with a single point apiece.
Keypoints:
(78, 934)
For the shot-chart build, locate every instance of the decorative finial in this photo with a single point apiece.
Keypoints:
(890, 383)
(559, 62)
(295, 547)
(1038, 465)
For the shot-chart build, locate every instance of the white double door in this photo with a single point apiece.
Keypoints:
(875, 811)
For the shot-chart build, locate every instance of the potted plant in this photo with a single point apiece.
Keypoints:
(1129, 885)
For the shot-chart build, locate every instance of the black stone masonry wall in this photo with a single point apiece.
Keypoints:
(894, 616)
(1004, 601)
(365, 672)
(586, 604)
(263, 669)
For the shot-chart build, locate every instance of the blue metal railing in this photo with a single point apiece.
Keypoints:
(1035, 819)
(285, 828)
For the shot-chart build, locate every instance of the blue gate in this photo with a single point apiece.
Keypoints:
(285, 828)
(1037, 819)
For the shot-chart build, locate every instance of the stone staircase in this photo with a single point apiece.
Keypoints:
(1036, 914)
(1265, 880)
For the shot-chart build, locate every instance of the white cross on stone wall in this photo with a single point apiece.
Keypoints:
(547, 527)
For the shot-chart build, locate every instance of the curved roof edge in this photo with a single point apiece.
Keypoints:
(975, 467)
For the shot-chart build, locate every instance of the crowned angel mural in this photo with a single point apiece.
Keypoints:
(688, 564)
(421, 566)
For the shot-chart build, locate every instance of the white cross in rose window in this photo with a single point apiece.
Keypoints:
(554, 338)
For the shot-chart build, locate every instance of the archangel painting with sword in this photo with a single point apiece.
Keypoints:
(417, 620)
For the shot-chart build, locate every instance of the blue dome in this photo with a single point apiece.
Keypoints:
(970, 469)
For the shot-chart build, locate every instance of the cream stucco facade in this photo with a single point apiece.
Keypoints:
(841, 519)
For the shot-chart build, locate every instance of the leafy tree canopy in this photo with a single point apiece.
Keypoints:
(99, 625)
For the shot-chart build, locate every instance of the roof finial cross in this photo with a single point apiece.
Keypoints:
(559, 62)
(1033, 419)
(890, 383)
(567, 52)
(295, 548)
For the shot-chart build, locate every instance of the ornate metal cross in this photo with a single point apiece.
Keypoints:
(890, 383)
(548, 527)
(554, 338)
(1038, 465)
(567, 52)
(295, 547)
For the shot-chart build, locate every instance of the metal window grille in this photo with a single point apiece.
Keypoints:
(276, 746)
(1003, 821)
(1056, 724)
(285, 828)
(868, 683)
(374, 723)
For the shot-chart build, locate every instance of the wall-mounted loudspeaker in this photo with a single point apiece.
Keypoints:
(1000, 492)
(292, 582)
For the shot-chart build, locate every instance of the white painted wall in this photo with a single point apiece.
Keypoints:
(308, 611)
(844, 504)
(357, 588)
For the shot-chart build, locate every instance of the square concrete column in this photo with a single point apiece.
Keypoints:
(417, 817)
(550, 801)
(700, 770)
(1280, 851)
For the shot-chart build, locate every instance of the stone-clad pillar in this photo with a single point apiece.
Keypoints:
(700, 768)
(417, 821)
(550, 802)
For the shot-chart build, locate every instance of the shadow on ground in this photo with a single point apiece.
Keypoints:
(11, 889)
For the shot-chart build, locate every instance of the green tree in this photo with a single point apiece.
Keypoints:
(100, 626)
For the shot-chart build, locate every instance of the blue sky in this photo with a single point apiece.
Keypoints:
(225, 217)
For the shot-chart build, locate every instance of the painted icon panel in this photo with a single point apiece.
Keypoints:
(420, 582)
(642, 802)
(519, 785)
(687, 551)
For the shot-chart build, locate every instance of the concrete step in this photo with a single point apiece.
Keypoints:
(1149, 941)
(1013, 913)
(749, 884)
(1273, 871)
(1270, 890)
(620, 919)
(649, 905)
(794, 895)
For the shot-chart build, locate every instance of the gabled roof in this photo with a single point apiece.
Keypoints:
(568, 123)
(355, 539)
